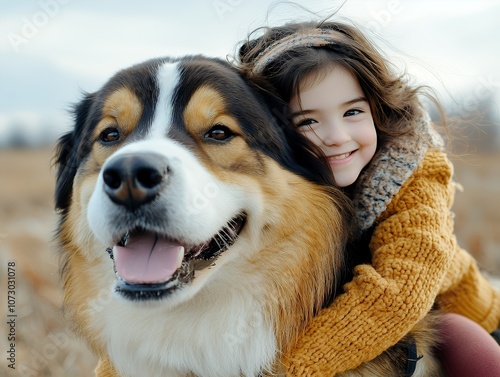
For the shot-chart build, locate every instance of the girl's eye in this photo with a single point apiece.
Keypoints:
(109, 135)
(352, 112)
(219, 132)
(305, 123)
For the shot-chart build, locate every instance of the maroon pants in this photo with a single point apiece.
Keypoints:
(467, 350)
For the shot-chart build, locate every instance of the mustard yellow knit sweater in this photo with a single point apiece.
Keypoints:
(406, 194)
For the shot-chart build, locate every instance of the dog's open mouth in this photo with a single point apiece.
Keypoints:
(150, 266)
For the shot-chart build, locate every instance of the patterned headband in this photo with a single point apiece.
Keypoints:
(305, 38)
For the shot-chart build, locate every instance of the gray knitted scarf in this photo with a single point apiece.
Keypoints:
(393, 164)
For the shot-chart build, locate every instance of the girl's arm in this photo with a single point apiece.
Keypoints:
(412, 248)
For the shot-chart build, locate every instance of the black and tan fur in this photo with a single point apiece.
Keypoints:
(235, 312)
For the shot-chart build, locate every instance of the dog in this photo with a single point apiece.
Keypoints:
(199, 234)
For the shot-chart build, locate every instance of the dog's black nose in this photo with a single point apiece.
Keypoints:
(132, 180)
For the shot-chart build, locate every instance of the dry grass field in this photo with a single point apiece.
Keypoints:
(45, 345)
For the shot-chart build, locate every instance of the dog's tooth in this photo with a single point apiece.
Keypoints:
(180, 257)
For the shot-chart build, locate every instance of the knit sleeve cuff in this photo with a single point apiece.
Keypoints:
(475, 298)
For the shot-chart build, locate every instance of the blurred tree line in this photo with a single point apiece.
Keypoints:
(473, 125)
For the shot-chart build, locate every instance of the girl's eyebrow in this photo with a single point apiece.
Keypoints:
(355, 100)
(347, 103)
(301, 112)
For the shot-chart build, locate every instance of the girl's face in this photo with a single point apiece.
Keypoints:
(335, 115)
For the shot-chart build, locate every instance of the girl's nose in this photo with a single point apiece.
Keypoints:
(334, 133)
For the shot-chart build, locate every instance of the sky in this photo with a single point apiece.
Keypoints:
(51, 51)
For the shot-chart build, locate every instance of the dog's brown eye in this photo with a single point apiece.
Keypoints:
(219, 132)
(109, 135)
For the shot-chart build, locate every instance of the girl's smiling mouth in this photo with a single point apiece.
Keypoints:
(340, 156)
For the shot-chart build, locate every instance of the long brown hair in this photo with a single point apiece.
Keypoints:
(394, 103)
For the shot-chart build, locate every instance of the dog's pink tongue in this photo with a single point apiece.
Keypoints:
(147, 259)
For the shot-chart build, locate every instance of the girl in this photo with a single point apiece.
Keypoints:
(370, 125)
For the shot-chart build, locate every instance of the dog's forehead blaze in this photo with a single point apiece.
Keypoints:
(121, 108)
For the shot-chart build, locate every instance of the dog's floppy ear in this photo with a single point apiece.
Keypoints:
(68, 155)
